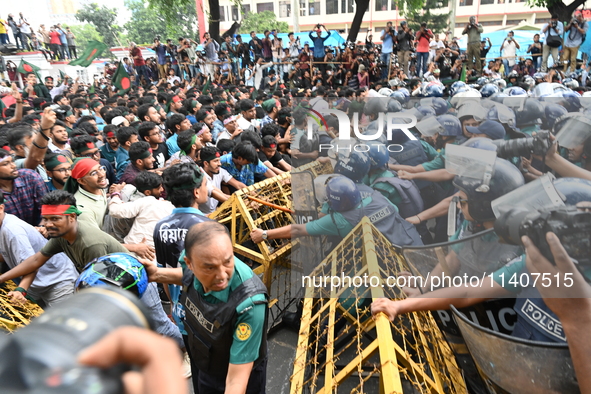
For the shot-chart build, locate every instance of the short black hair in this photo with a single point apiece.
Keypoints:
(111, 114)
(246, 104)
(124, 134)
(17, 132)
(142, 111)
(173, 121)
(283, 114)
(209, 151)
(253, 137)
(246, 151)
(226, 145)
(175, 180)
(184, 140)
(137, 149)
(271, 129)
(79, 143)
(145, 128)
(147, 180)
(89, 128)
(58, 197)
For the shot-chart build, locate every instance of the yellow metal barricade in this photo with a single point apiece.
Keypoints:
(341, 348)
(14, 316)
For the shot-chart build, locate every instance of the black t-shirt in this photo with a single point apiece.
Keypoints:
(273, 160)
(161, 155)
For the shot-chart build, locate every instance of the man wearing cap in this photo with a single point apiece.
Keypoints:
(271, 107)
(473, 30)
(141, 159)
(212, 166)
(59, 169)
(487, 129)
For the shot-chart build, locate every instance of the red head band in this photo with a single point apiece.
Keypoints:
(83, 167)
(59, 210)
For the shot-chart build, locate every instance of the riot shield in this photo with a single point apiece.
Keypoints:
(514, 365)
(469, 259)
(307, 252)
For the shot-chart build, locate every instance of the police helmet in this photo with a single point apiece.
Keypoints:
(451, 124)
(501, 113)
(378, 155)
(529, 113)
(354, 165)
(513, 74)
(529, 81)
(342, 194)
(505, 178)
(515, 91)
(426, 111)
(480, 143)
(481, 81)
(489, 89)
(552, 112)
(501, 83)
(455, 86)
(115, 269)
(573, 190)
(399, 96)
(437, 103)
(570, 101)
(394, 105)
(433, 90)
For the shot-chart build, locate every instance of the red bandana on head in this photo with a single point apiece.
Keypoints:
(272, 146)
(110, 134)
(90, 145)
(62, 159)
(217, 154)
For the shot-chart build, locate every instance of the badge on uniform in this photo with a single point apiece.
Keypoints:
(243, 331)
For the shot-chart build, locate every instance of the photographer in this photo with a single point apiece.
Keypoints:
(553, 32)
(293, 46)
(508, 51)
(473, 30)
(405, 39)
(388, 40)
(424, 37)
(535, 48)
(576, 30)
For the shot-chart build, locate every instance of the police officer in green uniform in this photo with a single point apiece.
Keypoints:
(225, 312)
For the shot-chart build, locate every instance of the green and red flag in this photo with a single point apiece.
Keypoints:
(62, 76)
(121, 79)
(25, 68)
(91, 52)
(206, 86)
(463, 75)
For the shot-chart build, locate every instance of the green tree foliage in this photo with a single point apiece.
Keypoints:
(146, 22)
(103, 19)
(558, 7)
(85, 33)
(262, 21)
(436, 22)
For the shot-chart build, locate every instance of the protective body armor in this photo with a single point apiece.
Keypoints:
(210, 327)
(412, 154)
(412, 202)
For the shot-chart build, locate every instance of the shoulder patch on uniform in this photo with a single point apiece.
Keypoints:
(243, 331)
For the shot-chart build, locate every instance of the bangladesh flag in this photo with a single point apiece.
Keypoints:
(62, 76)
(25, 67)
(463, 75)
(206, 86)
(92, 51)
(121, 79)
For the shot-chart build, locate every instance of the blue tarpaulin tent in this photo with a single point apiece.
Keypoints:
(335, 38)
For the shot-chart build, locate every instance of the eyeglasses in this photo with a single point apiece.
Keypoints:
(92, 154)
(63, 170)
(94, 173)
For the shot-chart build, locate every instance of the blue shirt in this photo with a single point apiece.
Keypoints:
(24, 199)
(161, 52)
(318, 44)
(387, 44)
(173, 146)
(218, 127)
(246, 173)
(559, 27)
(121, 162)
(63, 37)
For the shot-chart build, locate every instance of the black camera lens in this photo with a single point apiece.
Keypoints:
(509, 224)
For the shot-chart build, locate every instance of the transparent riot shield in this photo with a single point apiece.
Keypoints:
(466, 261)
(515, 365)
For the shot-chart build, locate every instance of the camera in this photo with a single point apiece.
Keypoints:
(572, 227)
(536, 145)
(41, 357)
(554, 24)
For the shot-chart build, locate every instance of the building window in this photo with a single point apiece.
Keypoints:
(222, 13)
(491, 23)
(262, 7)
(245, 10)
(542, 20)
(514, 21)
(485, 2)
(284, 9)
(235, 14)
(314, 8)
(332, 6)
(464, 3)
(347, 6)
(381, 5)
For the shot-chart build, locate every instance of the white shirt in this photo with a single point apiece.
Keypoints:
(147, 211)
(319, 104)
(434, 46)
(215, 182)
(509, 51)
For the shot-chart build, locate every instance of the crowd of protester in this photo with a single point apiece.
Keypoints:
(239, 113)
